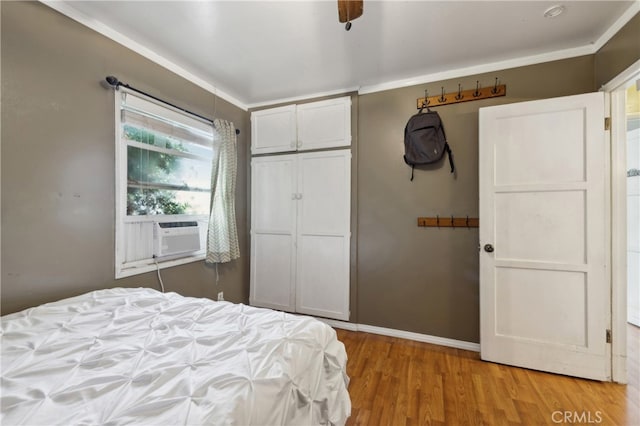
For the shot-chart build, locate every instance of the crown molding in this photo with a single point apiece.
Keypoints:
(478, 69)
(589, 49)
(303, 97)
(127, 42)
(617, 26)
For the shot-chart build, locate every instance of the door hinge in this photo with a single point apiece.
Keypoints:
(607, 123)
(608, 336)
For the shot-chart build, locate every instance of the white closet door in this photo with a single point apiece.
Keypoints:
(273, 130)
(324, 124)
(273, 230)
(322, 273)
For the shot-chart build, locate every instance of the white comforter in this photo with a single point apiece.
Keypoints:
(137, 356)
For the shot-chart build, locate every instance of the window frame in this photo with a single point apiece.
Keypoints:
(136, 267)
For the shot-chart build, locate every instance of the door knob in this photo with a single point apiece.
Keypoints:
(488, 248)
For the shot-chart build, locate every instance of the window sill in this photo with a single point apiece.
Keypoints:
(148, 265)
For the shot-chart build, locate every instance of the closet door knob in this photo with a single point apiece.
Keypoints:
(488, 248)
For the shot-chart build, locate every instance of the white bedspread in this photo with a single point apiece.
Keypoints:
(137, 356)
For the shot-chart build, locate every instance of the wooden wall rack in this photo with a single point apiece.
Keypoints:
(449, 222)
(461, 96)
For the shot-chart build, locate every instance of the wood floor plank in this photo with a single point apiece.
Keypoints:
(397, 382)
(433, 397)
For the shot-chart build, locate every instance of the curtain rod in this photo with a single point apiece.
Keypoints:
(115, 83)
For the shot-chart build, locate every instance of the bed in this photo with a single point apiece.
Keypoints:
(138, 356)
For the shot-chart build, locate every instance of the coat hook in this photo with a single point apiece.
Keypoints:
(459, 95)
(452, 223)
(425, 102)
(495, 87)
(442, 98)
(438, 221)
(477, 93)
(467, 221)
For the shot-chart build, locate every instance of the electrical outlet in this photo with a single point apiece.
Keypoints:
(220, 296)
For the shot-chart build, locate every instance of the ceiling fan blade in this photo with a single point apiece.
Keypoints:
(348, 10)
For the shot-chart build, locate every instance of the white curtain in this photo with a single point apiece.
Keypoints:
(222, 236)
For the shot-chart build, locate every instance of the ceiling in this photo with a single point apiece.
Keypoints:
(260, 52)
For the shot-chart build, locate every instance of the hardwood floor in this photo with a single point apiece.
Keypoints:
(399, 382)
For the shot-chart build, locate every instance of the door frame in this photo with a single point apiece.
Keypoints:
(615, 96)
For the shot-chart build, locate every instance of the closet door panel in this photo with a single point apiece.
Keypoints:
(323, 276)
(273, 130)
(271, 271)
(324, 124)
(323, 234)
(324, 180)
(273, 189)
(273, 232)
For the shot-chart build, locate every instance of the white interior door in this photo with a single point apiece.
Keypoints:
(322, 273)
(544, 285)
(273, 232)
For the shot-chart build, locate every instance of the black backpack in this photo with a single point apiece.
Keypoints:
(425, 141)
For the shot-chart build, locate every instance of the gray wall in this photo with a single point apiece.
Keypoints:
(620, 52)
(425, 280)
(58, 161)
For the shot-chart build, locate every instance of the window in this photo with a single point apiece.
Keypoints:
(163, 181)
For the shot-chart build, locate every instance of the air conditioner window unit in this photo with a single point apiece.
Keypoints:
(172, 238)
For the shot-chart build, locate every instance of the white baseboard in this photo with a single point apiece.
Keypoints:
(339, 324)
(418, 337)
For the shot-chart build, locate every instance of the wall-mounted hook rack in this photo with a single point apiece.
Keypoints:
(449, 222)
(475, 94)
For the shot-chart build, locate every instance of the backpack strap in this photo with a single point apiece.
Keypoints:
(412, 167)
(448, 149)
